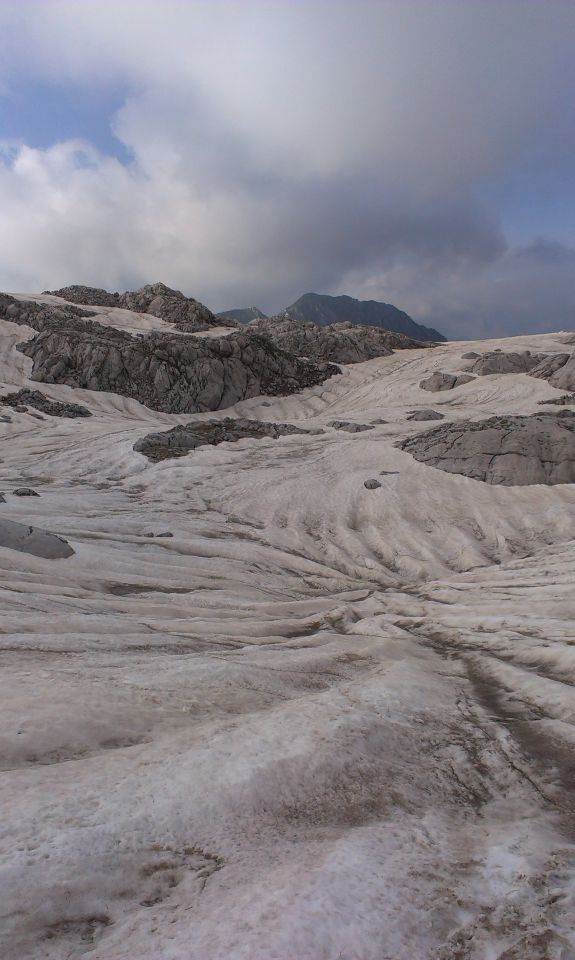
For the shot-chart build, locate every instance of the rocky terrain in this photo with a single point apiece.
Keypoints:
(337, 343)
(180, 440)
(300, 696)
(510, 450)
(155, 298)
(324, 310)
(22, 399)
(242, 314)
(167, 371)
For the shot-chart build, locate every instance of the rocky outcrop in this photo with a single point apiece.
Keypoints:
(438, 381)
(337, 343)
(186, 437)
(324, 310)
(39, 316)
(426, 415)
(558, 370)
(512, 450)
(348, 426)
(166, 371)
(54, 408)
(563, 400)
(242, 315)
(93, 296)
(157, 299)
(39, 543)
(499, 362)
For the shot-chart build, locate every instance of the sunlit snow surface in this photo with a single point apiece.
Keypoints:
(321, 722)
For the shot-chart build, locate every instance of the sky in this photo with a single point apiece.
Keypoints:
(418, 152)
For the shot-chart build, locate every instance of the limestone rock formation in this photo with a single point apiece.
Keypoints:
(37, 315)
(241, 314)
(36, 399)
(166, 371)
(558, 369)
(444, 381)
(154, 298)
(93, 296)
(425, 415)
(324, 310)
(186, 437)
(514, 450)
(39, 543)
(349, 427)
(563, 400)
(337, 343)
(497, 361)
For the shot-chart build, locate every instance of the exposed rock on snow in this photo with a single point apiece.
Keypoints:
(371, 484)
(500, 362)
(508, 450)
(155, 298)
(36, 399)
(349, 427)
(558, 370)
(444, 381)
(37, 315)
(40, 543)
(566, 398)
(93, 296)
(25, 492)
(338, 343)
(186, 437)
(166, 371)
(426, 415)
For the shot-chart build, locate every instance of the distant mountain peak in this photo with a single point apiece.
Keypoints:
(324, 310)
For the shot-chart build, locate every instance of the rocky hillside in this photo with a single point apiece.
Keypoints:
(324, 310)
(168, 372)
(242, 314)
(338, 343)
(155, 298)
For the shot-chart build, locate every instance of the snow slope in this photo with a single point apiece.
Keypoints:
(320, 722)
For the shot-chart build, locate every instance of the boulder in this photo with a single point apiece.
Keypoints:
(36, 399)
(186, 437)
(25, 492)
(425, 415)
(438, 381)
(349, 427)
(39, 543)
(513, 450)
(371, 484)
(498, 362)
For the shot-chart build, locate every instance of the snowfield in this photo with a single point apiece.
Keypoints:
(319, 722)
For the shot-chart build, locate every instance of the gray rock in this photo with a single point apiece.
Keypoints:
(166, 371)
(36, 399)
(558, 370)
(186, 437)
(25, 492)
(426, 415)
(338, 343)
(472, 355)
(93, 296)
(39, 543)
(498, 362)
(379, 422)
(566, 398)
(371, 484)
(39, 316)
(154, 298)
(166, 534)
(438, 381)
(512, 450)
(350, 427)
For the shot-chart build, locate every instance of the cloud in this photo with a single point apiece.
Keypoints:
(281, 147)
